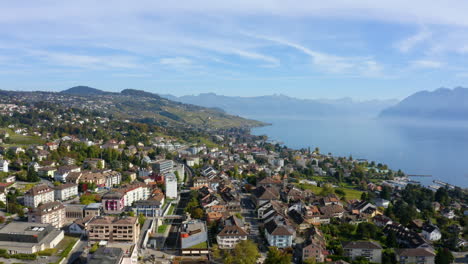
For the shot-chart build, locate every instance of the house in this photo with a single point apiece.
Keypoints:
(431, 233)
(116, 229)
(62, 173)
(149, 208)
(379, 202)
(279, 233)
(382, 220)
(414, 255)
(78, 227)
(331, 211)
(46, 171)
(4, 165)
(262, 195)
(65, 191)
(67, 161)
(49, 213)
(39, 194)
(232, 233)
(405, 236)
(370, 250)
(314, 251)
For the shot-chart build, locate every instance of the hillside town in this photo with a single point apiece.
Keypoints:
(82, 186)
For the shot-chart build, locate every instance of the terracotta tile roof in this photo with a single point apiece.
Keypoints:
(39, 189)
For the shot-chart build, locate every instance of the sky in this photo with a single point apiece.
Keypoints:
(306, 49)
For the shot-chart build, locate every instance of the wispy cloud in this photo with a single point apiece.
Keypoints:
(409, 43)
(432, 64)
(178, 62)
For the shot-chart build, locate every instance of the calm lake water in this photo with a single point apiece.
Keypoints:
(440, 150)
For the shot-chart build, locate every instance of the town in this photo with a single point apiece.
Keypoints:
(79, 185)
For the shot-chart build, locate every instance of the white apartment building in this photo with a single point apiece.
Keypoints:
(136, 192)
(170, 181)
(37, 195)
(65, 191)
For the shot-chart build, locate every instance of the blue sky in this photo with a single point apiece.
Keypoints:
(307, 49)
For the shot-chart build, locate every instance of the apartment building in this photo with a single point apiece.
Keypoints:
(50, 213)
(40, 194)
(116, 229)
(367, 249)
(65, 191)
(170, 181)
(415, 255)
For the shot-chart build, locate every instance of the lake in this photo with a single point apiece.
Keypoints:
(437, 149)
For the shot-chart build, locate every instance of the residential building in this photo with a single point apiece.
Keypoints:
(50, 213)
(279, 233)
(3, 165)
(62, 173)
(93, 209)
(232, 233)
(117, 229)
(163, 166)
(113, 202)
(28, 238)
(94, 163)
(370, 250)
(314, 251)
(414, 255)
(149, 208)
(65, 191)
(39, 194)
(431, 233)
(135, 192)
(170, 181)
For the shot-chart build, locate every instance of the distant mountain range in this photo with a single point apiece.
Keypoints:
(285, 106)
(441, 104)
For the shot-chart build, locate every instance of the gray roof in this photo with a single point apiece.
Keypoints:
(107, 255)
(362, 244)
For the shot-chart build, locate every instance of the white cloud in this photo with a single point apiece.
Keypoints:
(333, 63)
(176, 62)
(431, 64)
(411, 42)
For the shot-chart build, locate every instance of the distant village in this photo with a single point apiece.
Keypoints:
(78, 186)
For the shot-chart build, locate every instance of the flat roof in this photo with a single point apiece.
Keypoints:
(23, 228)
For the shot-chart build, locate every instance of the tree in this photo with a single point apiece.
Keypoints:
(141, 219)
(391, 240)
(310, 261)
(245, 252)
(275, 256)
(197, 213)
(443, 256)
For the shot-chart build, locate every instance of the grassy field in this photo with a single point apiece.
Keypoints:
(349, 193)
(16, 139)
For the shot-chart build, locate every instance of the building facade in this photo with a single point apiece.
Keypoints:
(66, 191)
(367, 249)
(40, 194)
(118, 229)
(50, 213)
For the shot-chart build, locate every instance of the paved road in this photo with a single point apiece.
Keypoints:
(77, 251)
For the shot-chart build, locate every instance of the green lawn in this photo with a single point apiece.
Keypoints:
(201, 245)
(162, 228)
(171, 210)
(350, 193)
(16, 139)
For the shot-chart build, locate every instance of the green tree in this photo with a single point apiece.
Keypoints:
(443, 256)
(245, 252)
(197, 213)
(276, 256)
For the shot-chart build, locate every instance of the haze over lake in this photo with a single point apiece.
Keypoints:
(437, 149)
